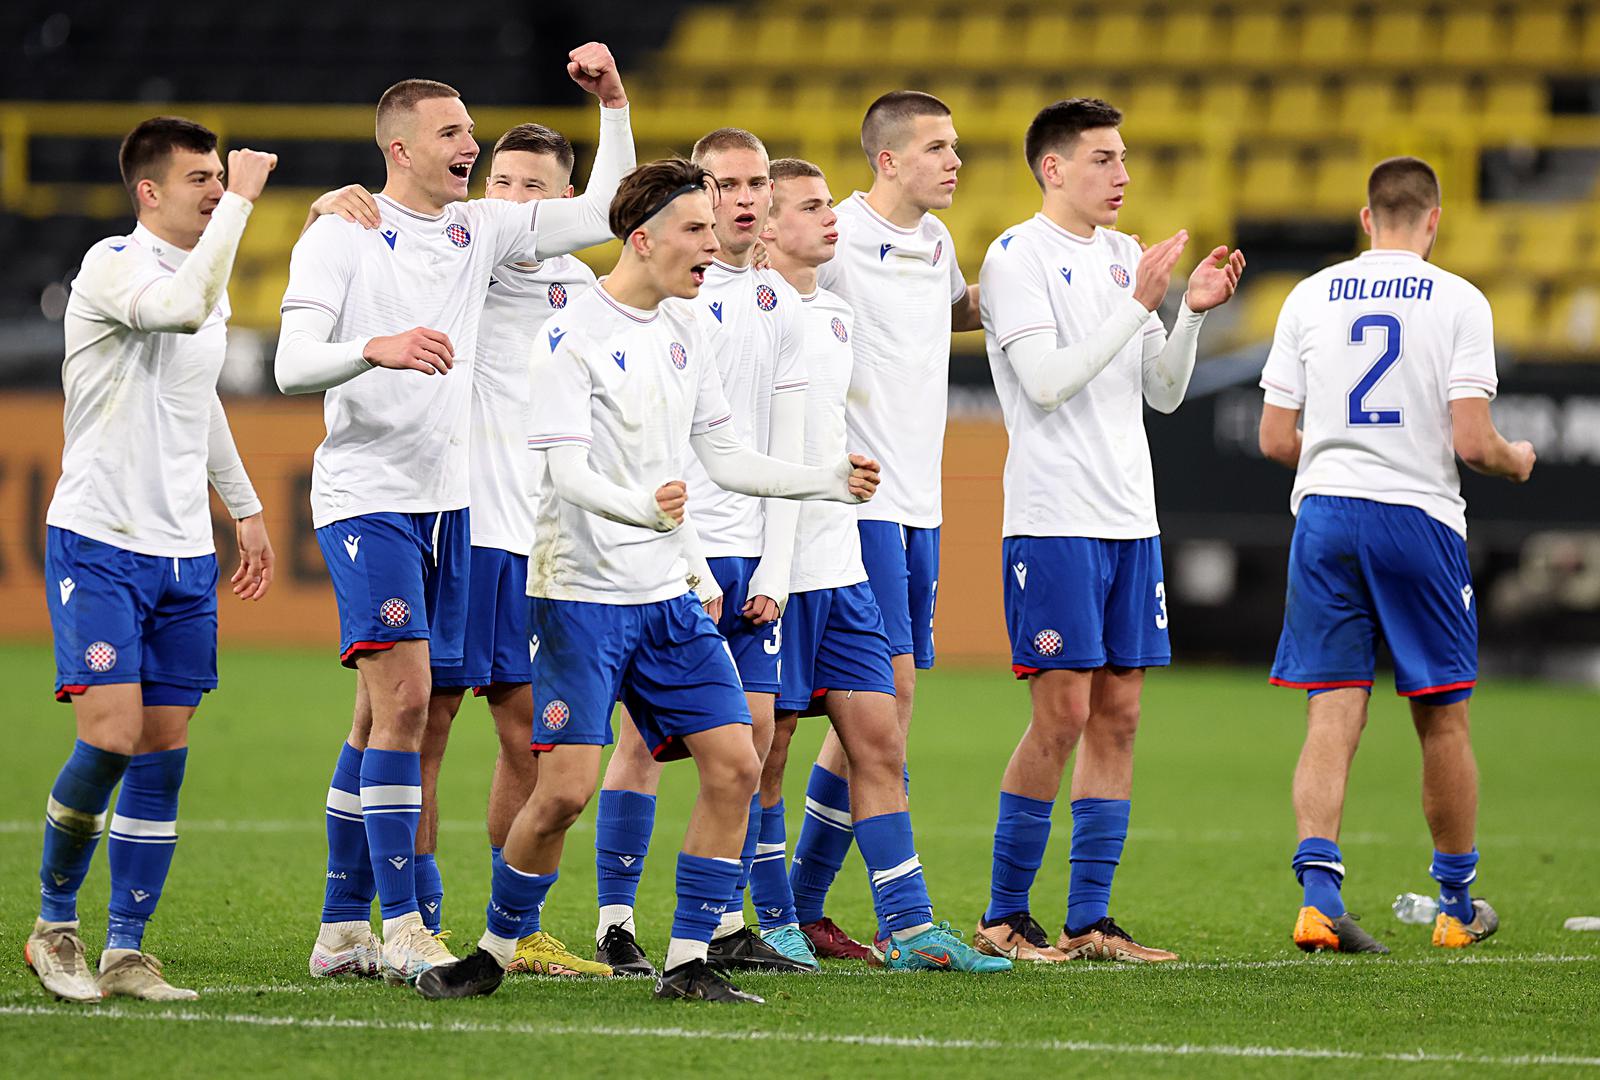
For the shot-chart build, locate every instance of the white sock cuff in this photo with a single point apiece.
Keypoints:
(504, 950)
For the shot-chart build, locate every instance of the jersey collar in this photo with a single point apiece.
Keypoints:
(1065, 234)
(861, 197)
(638, 315)
(412, 214)
(1402, 252)
(168, 256)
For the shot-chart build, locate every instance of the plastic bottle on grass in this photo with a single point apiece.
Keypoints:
(1415, 908)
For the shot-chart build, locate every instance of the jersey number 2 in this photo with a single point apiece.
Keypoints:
(1359, 414)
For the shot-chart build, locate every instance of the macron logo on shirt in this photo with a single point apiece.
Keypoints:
(389, 237)
(716, 309)
(1066, 273)
(883, 251)
(619, 356)
(555, 337)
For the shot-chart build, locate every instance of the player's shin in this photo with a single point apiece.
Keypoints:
(144, 836)
(826, 834)
(349, 887)
(733, 918)
(900, 893)
(74, 819)
(514, 898)
(1099, 831)
(391, 803)
(704, 886)
(623, 826)
(1021, 833)
(769, 877)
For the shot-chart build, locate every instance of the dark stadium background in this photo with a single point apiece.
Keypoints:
(1249, 122)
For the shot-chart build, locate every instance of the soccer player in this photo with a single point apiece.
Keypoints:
(628, 384)
(1391, 361)
(752, 319)
(1077, 348)
(896, 268)
(390, 484)
(837, 653)
(129, 554)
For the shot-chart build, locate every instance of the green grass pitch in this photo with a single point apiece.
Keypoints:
(1205, 872)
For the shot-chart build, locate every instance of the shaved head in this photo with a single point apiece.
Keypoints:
(1401, 190)
(890, 120)
(399, 103)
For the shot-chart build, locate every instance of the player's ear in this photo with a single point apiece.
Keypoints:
(1366, 220)
(639, 241)
(1433, 220)
(398, 153)
(149, 195)
(568, 192)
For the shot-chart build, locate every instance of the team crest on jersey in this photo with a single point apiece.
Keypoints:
(838, 329)
(1119, 274)
(938, 252)
(458, 234)
(100, 657)
(557, 295)
(1048, 643)
(556, 714)
(680, 356)
(766, 299)
(394, 612)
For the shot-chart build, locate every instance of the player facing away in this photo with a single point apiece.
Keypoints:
(627, 385)
(836, 658)
(751, 318)
(390, 483)
(529, 162)
(129, 556)
(1390, 360)
(1077, 348)
(896, 268)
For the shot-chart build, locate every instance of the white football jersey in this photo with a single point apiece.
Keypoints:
(751, 318)
(827, 546)
(901, 283)
(1083, 469)
(504, 474)
(398, 440)
(631, 386)
(138, 407)
(1374, 350)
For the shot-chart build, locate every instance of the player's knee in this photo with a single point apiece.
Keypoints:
(733, 775)
(557, 810)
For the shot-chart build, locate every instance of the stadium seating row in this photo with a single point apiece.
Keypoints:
(1283, 36)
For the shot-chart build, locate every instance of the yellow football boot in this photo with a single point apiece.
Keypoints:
(541, 954)
(1450, 932)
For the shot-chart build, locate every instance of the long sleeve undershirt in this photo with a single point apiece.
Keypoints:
(1052, 376)
(226, 469)
(786, 441)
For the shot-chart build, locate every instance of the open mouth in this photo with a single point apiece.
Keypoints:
(697, 273)
(461, 170)
(745, 221)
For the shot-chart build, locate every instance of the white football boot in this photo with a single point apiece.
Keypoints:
(346, 948)
(410, 949)
(55, 953)
(135, 974)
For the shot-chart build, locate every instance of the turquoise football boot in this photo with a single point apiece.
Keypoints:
(788, 940)
(939, 949)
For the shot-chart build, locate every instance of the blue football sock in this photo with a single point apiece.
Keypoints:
(1319, 868)
(769, 878)
(530, 923)
(391, 803)
(74, 818)
(144, 836)
(622, 831)
(747, 855)
(1020, 835)
(430, 892)
(349, 889)
(825, 838)
(1454, 873)
(704, 886)
(514, 897)
(1099, 829)
(900, 893)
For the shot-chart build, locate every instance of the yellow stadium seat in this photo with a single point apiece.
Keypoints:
(1155, 100)
(1516, 313)
(1020, 99)
(1300, 106)
(1472, 37)
(781, 40)
(1573, 323)
(1339, 184)
(1366, 103)
(1260, 39)
(1050, 41)
(702, 34)
(983, 40)
(1589, 42)
(1399, 38)
(851, 40)
(1272, 181)
(1524, 98)
(1263, 297)
(1473, 243)
(1193, 37)
(1329, 38)
(1120, 38)
(1549, 243)
(1227, 101)
(1441, 102)
(919, 38)
(1542, 36)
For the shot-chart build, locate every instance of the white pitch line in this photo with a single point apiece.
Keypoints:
(1309, 1053)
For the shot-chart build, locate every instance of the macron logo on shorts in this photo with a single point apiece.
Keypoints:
(67, 585)
(352, 543)
(1466, 597)
(1021, 570)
